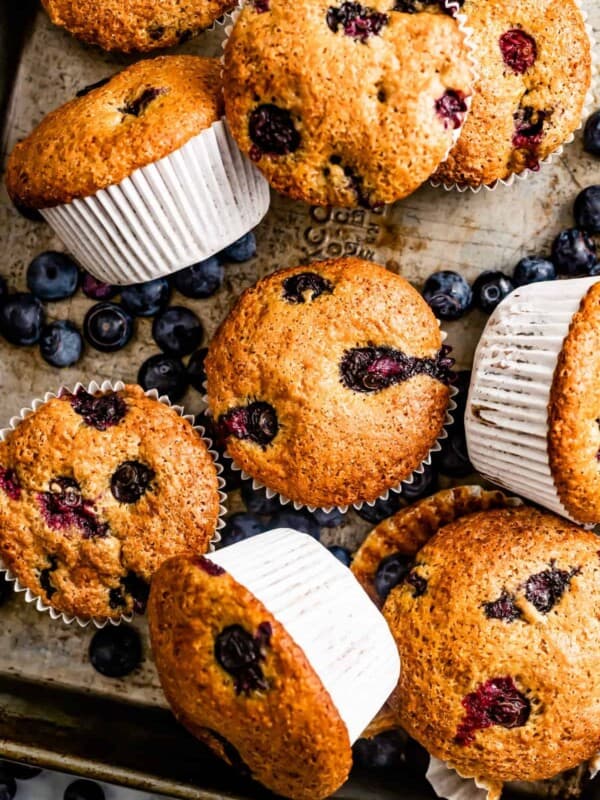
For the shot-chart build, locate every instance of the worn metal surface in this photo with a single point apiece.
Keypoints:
(54, 708)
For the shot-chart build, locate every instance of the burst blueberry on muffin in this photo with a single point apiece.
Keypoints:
(535, 69)
(96, 491)
(343, 103)
(329, 382)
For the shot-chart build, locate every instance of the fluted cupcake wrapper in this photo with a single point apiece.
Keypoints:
(105, 386)
(588, 107)
(506, 420)
(167, 215)
(327, 614)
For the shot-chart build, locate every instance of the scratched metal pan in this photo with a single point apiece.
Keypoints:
(55, 710)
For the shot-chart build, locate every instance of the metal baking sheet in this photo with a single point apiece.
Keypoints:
(55, 710)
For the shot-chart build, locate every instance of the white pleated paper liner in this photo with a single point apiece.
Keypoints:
(506, 420)
(328, 615)
(588, 107)
(92, 388)
(167, 215)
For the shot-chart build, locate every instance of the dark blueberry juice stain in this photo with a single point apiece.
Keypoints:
(519, 50)
(9, 483)
(357, 21)
(372, 369)
(137, 106)
(272, 131)
(545, 589)
(451, 108)
(208, 566)
(133, 586)
(46, 579)
(297, 286)
(100, 412)
(241, 654)
(130, 481)
(63, 507)
(261, 6)
(529, 131)
(256, 422)
(504, 608)
(495, 702)
(417, 582)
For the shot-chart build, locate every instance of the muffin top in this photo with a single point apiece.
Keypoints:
(135, 25)
(247, 690)
(574, 414)
(96, 140)
(329, 382)
(96, 491)
(346, 104)
(497, 628)
(535, 69)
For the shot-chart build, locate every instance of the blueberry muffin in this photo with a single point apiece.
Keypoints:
(96, 491)
(135, 25)
(497, 626)
(535, 69)
(329, 382)
(280, 676)
(346, 104)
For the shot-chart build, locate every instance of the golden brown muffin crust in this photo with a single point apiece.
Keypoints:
(363, 111)
(141, 115)
(545, 572)
(555, 84)
(574, 414)
(135, 25)
(289, 736)
(99, 567)
(334, 445)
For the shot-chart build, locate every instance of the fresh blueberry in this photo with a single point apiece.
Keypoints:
(201, 280)
(257, 502)
(84, 790)
(242, 250)
(6, 589)
(97, 290)
(239, 527)
(21, 772)
(384, 751)
(328, 519)
(591, 134)
(21, 318)
(177, 331)
(32, 214)
(52, 276)
(573, 252)
(341, 553)
(195, 369)
(587, 209)
(8, 787)
(392, 571)
(448, 294)
(423, 484)
(107, 327)
(297, 520)
(61, 344)
(453, 458)
(382, 509)
(146, 299)
(165, 374)
(115, 651)
(533, 269)
(489, 289)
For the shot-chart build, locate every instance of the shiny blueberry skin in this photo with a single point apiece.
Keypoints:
(177, 331)
(591, 134)
(533, 269)
(21, 772)
(165, 374)
(423, 484)
(489, 289)
(391, 572)
(115, 651)
(341, 553)
(21, 318)
(448, 294)
(97, 290)
(195, 369)
(107, 327)
(201, 280)
(574, 252)
(83, 790)
(257, 502)
(381, 510)
(297, 520)
(61, 344)
(52, 276)
(146, 299)
(381, 752)
(328, 519)
(587, 209)
(242, 250)
(239, 527)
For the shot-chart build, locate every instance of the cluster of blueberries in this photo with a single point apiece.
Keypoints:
(11, 772)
